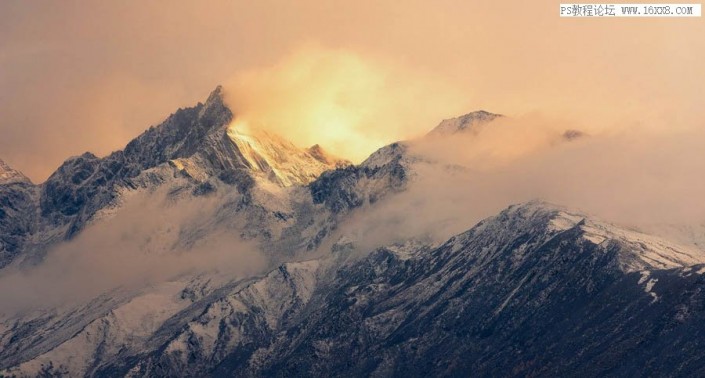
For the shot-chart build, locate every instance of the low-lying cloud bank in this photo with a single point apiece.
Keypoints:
(151, 239)
(647, 180)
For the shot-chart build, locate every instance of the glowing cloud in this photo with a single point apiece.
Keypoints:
(349, 104)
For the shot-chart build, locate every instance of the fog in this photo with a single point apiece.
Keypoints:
(152, 239)
(81, 76)
(645, 180)
(634, 177)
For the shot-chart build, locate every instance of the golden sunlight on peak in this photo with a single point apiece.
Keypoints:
(277, 159)
(349, 104)
(239, 127)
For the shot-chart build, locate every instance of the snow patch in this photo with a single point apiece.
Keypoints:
(564, 221)
(8, 175)
(648, 284)
(646, 251)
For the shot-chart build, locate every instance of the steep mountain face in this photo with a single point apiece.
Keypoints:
(385, 171)
(535, 290)
(196, 144)
(257, 186)
(84, 185)
(280, 160)
(18, 197)
(529, 292)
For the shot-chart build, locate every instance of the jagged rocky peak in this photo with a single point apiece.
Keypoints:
(215, 98)
(209, 140)
(384, 172)
(9, 175)
(17, 209)
(470, 122)
(201, 143)
(182, 134)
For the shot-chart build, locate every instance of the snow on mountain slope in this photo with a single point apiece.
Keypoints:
(18, 197)
(197, 144)
(386, 171)
(279, 159)
(688, 234)
(128, 326)
(534, 290)
(535, 277)
(470, 123)
(644, 252)
(8, 175)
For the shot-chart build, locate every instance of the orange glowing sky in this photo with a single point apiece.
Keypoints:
(78, 76)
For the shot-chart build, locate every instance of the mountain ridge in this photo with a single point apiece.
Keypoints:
(535, 290)
(406, 306)
(196, 143)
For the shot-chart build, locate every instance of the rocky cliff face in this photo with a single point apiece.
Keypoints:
(18, 197)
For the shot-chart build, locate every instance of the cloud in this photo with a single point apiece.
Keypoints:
(152, 239)
(634, 178)
(349, 103)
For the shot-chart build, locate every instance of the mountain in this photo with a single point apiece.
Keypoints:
(469, 123)
(280, 160)
(237, 254)
(17, 211)
(535, 290)
(8, 175)
(196, 147)
(260, 188)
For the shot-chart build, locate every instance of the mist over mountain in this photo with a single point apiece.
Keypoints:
(209, 247)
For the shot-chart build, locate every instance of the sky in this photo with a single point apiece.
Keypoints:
(89, 76)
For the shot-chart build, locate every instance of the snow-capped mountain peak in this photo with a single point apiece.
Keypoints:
(519, 293)
(470, 122)
(216, 142)
(637, 251)
(193, 146)
(9, 175)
